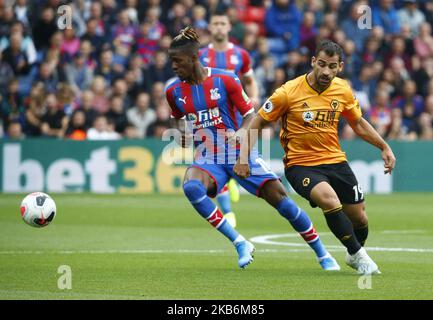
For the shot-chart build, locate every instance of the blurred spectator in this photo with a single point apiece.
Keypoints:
(11, 105)
(141, 116)
(65, 98)
(6, 74)
(380, 113)
(146, 47)
(265, 76)
(120, 89)
(283, 22)
(117, 114)
(48, 76)
(308, 31)
(411, 16)
(34, 112)
(16, 57)
(27, 44)
(86, 106)
(79, 75)
(398, 50)
(425, 126)
(409, 96)
(199, 17)
(350, 25)
(158, 94)
(96, 38)
(365, 81)
(423, 42)
(156, 28)
(177, 19)
(106, 68)
(22, 12)
(385, 15)
(100, 95)
(237, 32)
(101, 130)
(162, 121)
(409, 123)
(44, 28)
(397, 131)
(131, 132)
(54, 121)
(96, 15)
(160, 70)
(15, 131)
(131, 9)
(87, 50)
(77, 126)
(123, 33)
(70, 44)
(428, 107)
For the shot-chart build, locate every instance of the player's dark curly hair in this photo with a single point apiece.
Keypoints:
(330, 48)
(187, 37)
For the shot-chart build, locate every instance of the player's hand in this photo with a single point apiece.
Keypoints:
(241, 170)
(389, 159)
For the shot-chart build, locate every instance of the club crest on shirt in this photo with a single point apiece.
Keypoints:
(234, 59)
(214, 94)
(268, 106)
(335, 104)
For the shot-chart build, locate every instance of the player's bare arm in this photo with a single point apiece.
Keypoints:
(252, 89)
(242, 168)
(364, 130)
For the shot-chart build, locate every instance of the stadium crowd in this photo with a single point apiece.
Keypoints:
(104, 78)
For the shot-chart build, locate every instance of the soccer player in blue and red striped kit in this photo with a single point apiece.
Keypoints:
(223, 54)
(207, 99)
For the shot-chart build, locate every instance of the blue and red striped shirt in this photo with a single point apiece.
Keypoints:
(211, 105)
(235, 59)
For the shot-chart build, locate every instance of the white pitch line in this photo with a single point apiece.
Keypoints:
(268, 239)
(265, 239)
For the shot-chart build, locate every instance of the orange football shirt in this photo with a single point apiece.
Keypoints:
(309, 120)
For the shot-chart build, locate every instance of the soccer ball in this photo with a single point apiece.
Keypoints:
(38, 209)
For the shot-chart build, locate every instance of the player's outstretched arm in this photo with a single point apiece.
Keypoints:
(242, 168)
(364, 130)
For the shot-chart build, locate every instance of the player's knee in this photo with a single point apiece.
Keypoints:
(194, 189)
(329, 201)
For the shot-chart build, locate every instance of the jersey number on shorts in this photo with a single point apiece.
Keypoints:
(359, 195)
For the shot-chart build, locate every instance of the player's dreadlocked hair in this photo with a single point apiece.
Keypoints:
(186, 37)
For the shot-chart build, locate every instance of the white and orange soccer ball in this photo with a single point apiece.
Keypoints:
(38, 209)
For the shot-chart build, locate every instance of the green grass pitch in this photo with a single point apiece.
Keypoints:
(157, 247)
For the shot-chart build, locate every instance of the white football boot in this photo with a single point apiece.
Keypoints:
(362, 263)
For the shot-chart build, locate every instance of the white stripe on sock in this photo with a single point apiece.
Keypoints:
(199, 200)
(215, 210)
